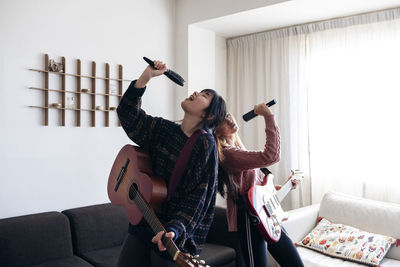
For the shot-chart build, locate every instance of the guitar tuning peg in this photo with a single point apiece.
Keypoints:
(202, 262)
(196, 256)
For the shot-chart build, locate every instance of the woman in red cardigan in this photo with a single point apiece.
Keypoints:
(242, 172)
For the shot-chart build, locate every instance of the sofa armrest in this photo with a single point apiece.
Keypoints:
(301, 221)
(33, 239)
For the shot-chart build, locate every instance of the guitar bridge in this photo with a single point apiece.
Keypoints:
(121, 175)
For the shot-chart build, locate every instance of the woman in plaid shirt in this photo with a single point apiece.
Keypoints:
(188, 214)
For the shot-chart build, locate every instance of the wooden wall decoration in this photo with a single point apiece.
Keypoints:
(63, 91)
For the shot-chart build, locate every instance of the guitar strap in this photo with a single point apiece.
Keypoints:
(181, 162)
(249, 241)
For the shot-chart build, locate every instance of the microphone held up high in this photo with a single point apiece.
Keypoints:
(249, 115)
(175, 77)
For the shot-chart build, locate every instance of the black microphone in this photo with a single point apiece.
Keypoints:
(265, 171)
(249, 115)
(169, 73)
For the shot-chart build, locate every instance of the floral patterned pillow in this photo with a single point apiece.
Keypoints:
(348, 243)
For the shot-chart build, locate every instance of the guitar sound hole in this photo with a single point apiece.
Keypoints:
(132, 191)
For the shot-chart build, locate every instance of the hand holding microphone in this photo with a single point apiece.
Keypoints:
(260, 109)
(156, 69)
(175, 77)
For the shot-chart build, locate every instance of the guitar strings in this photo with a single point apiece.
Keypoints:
(152, 220)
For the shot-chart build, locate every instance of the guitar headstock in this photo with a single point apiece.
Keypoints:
(187, 260)
(297, 175)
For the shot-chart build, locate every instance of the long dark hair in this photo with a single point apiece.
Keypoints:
(215, 113)
(227, 187)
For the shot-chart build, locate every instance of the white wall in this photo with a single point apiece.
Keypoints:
(220, 65)
(190, 12)
(52, 167)
(201, 58)
(206, 60)
(201, 53)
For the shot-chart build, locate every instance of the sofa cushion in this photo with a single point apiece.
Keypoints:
(97, 227)
(342, 241)
(107, 257)
(311, 258)
(369, 215)
(66, 262)
(34, 239)
(216, 255)
(219, 235)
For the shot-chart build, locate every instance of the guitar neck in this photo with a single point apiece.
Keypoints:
(154, 223)
(285, 189)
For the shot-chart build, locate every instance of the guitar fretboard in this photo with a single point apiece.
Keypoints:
(284, 190)
(151, 219)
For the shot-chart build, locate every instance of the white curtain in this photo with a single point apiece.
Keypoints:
(259, 68)
(337, 86)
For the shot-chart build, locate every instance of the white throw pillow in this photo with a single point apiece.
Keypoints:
(369, 215)
(349, 243)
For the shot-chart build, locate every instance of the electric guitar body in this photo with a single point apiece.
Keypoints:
(264, 202)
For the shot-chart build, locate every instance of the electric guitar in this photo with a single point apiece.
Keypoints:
(264, 202)
(133, 185)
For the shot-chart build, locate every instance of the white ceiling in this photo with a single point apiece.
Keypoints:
(289, 13)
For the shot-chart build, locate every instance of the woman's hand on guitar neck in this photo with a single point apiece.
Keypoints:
(294, 183)
(157, 239)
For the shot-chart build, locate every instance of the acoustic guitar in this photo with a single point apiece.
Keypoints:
(263, 201)
(133, 185)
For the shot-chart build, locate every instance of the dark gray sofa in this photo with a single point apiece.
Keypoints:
(42, 239)
(98, 232)
(91, 236)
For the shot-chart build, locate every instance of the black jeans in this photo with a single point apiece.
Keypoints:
(139, 251)
(255, 250)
